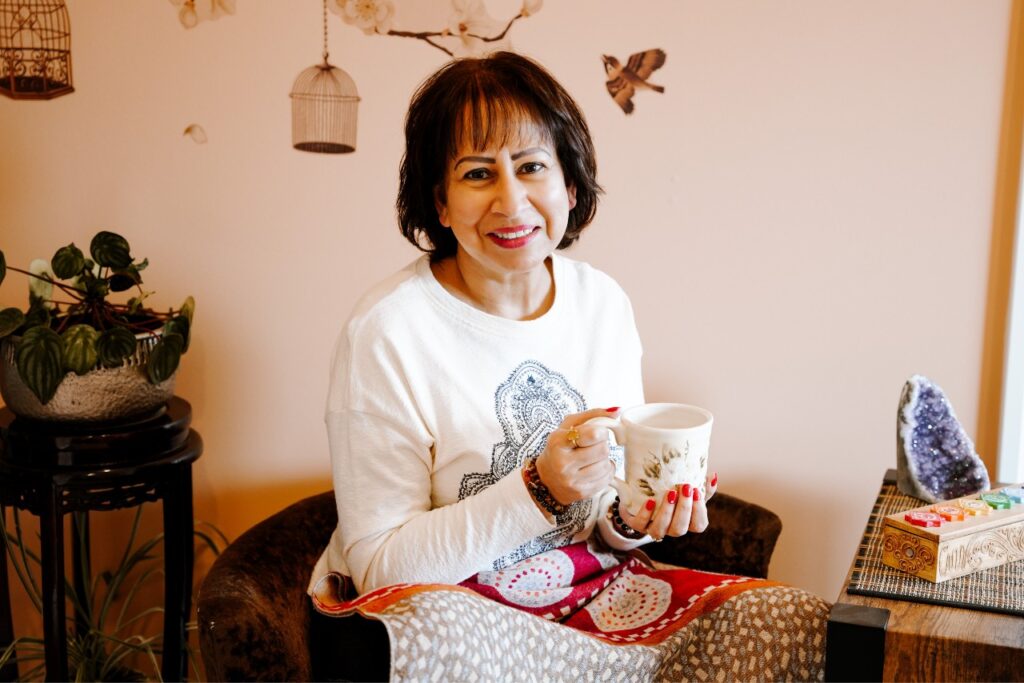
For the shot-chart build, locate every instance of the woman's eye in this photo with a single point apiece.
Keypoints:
(476, 174)
(531, 167)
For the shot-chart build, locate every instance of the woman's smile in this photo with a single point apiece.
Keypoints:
(514, 237)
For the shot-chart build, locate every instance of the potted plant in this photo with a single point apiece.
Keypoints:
(76, 355)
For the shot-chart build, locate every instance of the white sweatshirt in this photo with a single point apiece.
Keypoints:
(434, 405)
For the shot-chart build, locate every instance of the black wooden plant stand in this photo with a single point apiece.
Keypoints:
(51, 469)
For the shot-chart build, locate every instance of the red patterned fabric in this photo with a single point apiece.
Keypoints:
(618, 600)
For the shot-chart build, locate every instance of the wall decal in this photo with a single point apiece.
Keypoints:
(623, 81)
(324, 107)
(191, 12)
(35, 49)
(470, 30)
(196, 132)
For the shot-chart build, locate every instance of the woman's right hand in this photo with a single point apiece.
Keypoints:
(573, 472)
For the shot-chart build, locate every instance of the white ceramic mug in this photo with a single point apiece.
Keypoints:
(665, 444)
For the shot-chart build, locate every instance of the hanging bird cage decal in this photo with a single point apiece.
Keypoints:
(35, 49)
(324, 108)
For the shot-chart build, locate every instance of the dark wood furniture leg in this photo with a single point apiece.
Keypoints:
(81, 557)
(9, 671)
(178, 555)
(51, 530)
(855, 643)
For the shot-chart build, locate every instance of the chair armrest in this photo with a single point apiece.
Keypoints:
(739, 540)
(255, 625)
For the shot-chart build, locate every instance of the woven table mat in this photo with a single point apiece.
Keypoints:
(1000, 589)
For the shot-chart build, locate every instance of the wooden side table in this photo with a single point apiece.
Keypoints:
(872, 638)
(51, 469)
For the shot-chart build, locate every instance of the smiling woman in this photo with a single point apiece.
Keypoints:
(508, 209)
(460, 408)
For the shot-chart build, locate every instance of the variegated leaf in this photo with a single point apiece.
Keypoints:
(38, 358)
(80, 348)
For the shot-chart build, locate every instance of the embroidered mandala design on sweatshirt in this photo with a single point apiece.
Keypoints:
(531, 403)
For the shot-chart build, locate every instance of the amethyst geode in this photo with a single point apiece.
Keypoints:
(935, 457)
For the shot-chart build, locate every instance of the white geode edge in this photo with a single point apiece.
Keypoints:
(907, 478)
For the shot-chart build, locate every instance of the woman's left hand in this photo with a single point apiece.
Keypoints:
(673, 515)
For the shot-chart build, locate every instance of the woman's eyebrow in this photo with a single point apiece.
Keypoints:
(531, 150)
(490, 160)
(483, 160)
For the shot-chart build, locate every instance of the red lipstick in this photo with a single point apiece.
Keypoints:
(513, 237)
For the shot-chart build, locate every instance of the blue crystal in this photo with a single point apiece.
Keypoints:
(935, 458)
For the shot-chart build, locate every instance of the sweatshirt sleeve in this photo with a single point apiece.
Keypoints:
(390, 534)
(389, 529)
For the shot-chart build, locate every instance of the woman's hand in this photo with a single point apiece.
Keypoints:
(575, 471)
(679, 511)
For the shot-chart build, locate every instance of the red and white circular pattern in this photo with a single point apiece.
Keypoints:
(535, 582)
(631, 601)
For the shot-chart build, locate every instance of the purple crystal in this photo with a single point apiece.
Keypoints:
(935, 458)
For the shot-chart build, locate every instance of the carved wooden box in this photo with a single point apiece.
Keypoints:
(945, 540)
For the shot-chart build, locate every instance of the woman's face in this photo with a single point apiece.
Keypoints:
(508, 206)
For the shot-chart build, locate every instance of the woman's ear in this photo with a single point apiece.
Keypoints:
(442, 208)
(570, 190)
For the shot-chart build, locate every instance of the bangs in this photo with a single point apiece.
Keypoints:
(492, 115)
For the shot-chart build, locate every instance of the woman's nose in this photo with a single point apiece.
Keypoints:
(510, 195)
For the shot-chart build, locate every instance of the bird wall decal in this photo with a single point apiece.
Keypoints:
(623, 81)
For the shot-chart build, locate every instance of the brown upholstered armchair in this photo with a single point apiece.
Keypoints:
(256, 622)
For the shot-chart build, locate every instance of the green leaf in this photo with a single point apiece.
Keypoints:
(179, 325)
(124, 279)
(142, 265)
(96, 288)
(38, 357)
(3, 266)
(164, 358)
(80, 348)
(114, 345)
(188, 309)
(68, 262)
(10, 320)
(111, 250)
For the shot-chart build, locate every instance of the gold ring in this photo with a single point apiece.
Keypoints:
(573, 436)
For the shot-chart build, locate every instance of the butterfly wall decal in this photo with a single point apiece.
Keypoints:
(623, 81)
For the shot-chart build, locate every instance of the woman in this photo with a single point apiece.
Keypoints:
(462, 386)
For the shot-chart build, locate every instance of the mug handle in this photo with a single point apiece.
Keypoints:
(614, 424)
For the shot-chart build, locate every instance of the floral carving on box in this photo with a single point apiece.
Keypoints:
(910, 552)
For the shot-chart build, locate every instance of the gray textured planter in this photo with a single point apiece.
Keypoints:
(101, 394)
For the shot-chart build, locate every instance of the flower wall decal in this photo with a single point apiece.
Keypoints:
(469, 21)
(191, 12)
(469, 31)
(373, 16)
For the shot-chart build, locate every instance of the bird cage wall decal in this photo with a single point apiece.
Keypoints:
(324, 108)
(35, 49)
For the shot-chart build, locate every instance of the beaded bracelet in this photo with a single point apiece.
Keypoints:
(621, 528)
(539, 491)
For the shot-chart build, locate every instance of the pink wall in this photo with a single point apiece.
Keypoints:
(802, 221)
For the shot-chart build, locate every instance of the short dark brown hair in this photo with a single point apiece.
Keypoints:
(480, 97)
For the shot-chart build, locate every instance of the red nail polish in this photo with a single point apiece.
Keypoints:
(612, 410)
(649, 504)
(714, 479)
(686, 490)
(671, 497)
(696, 494)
